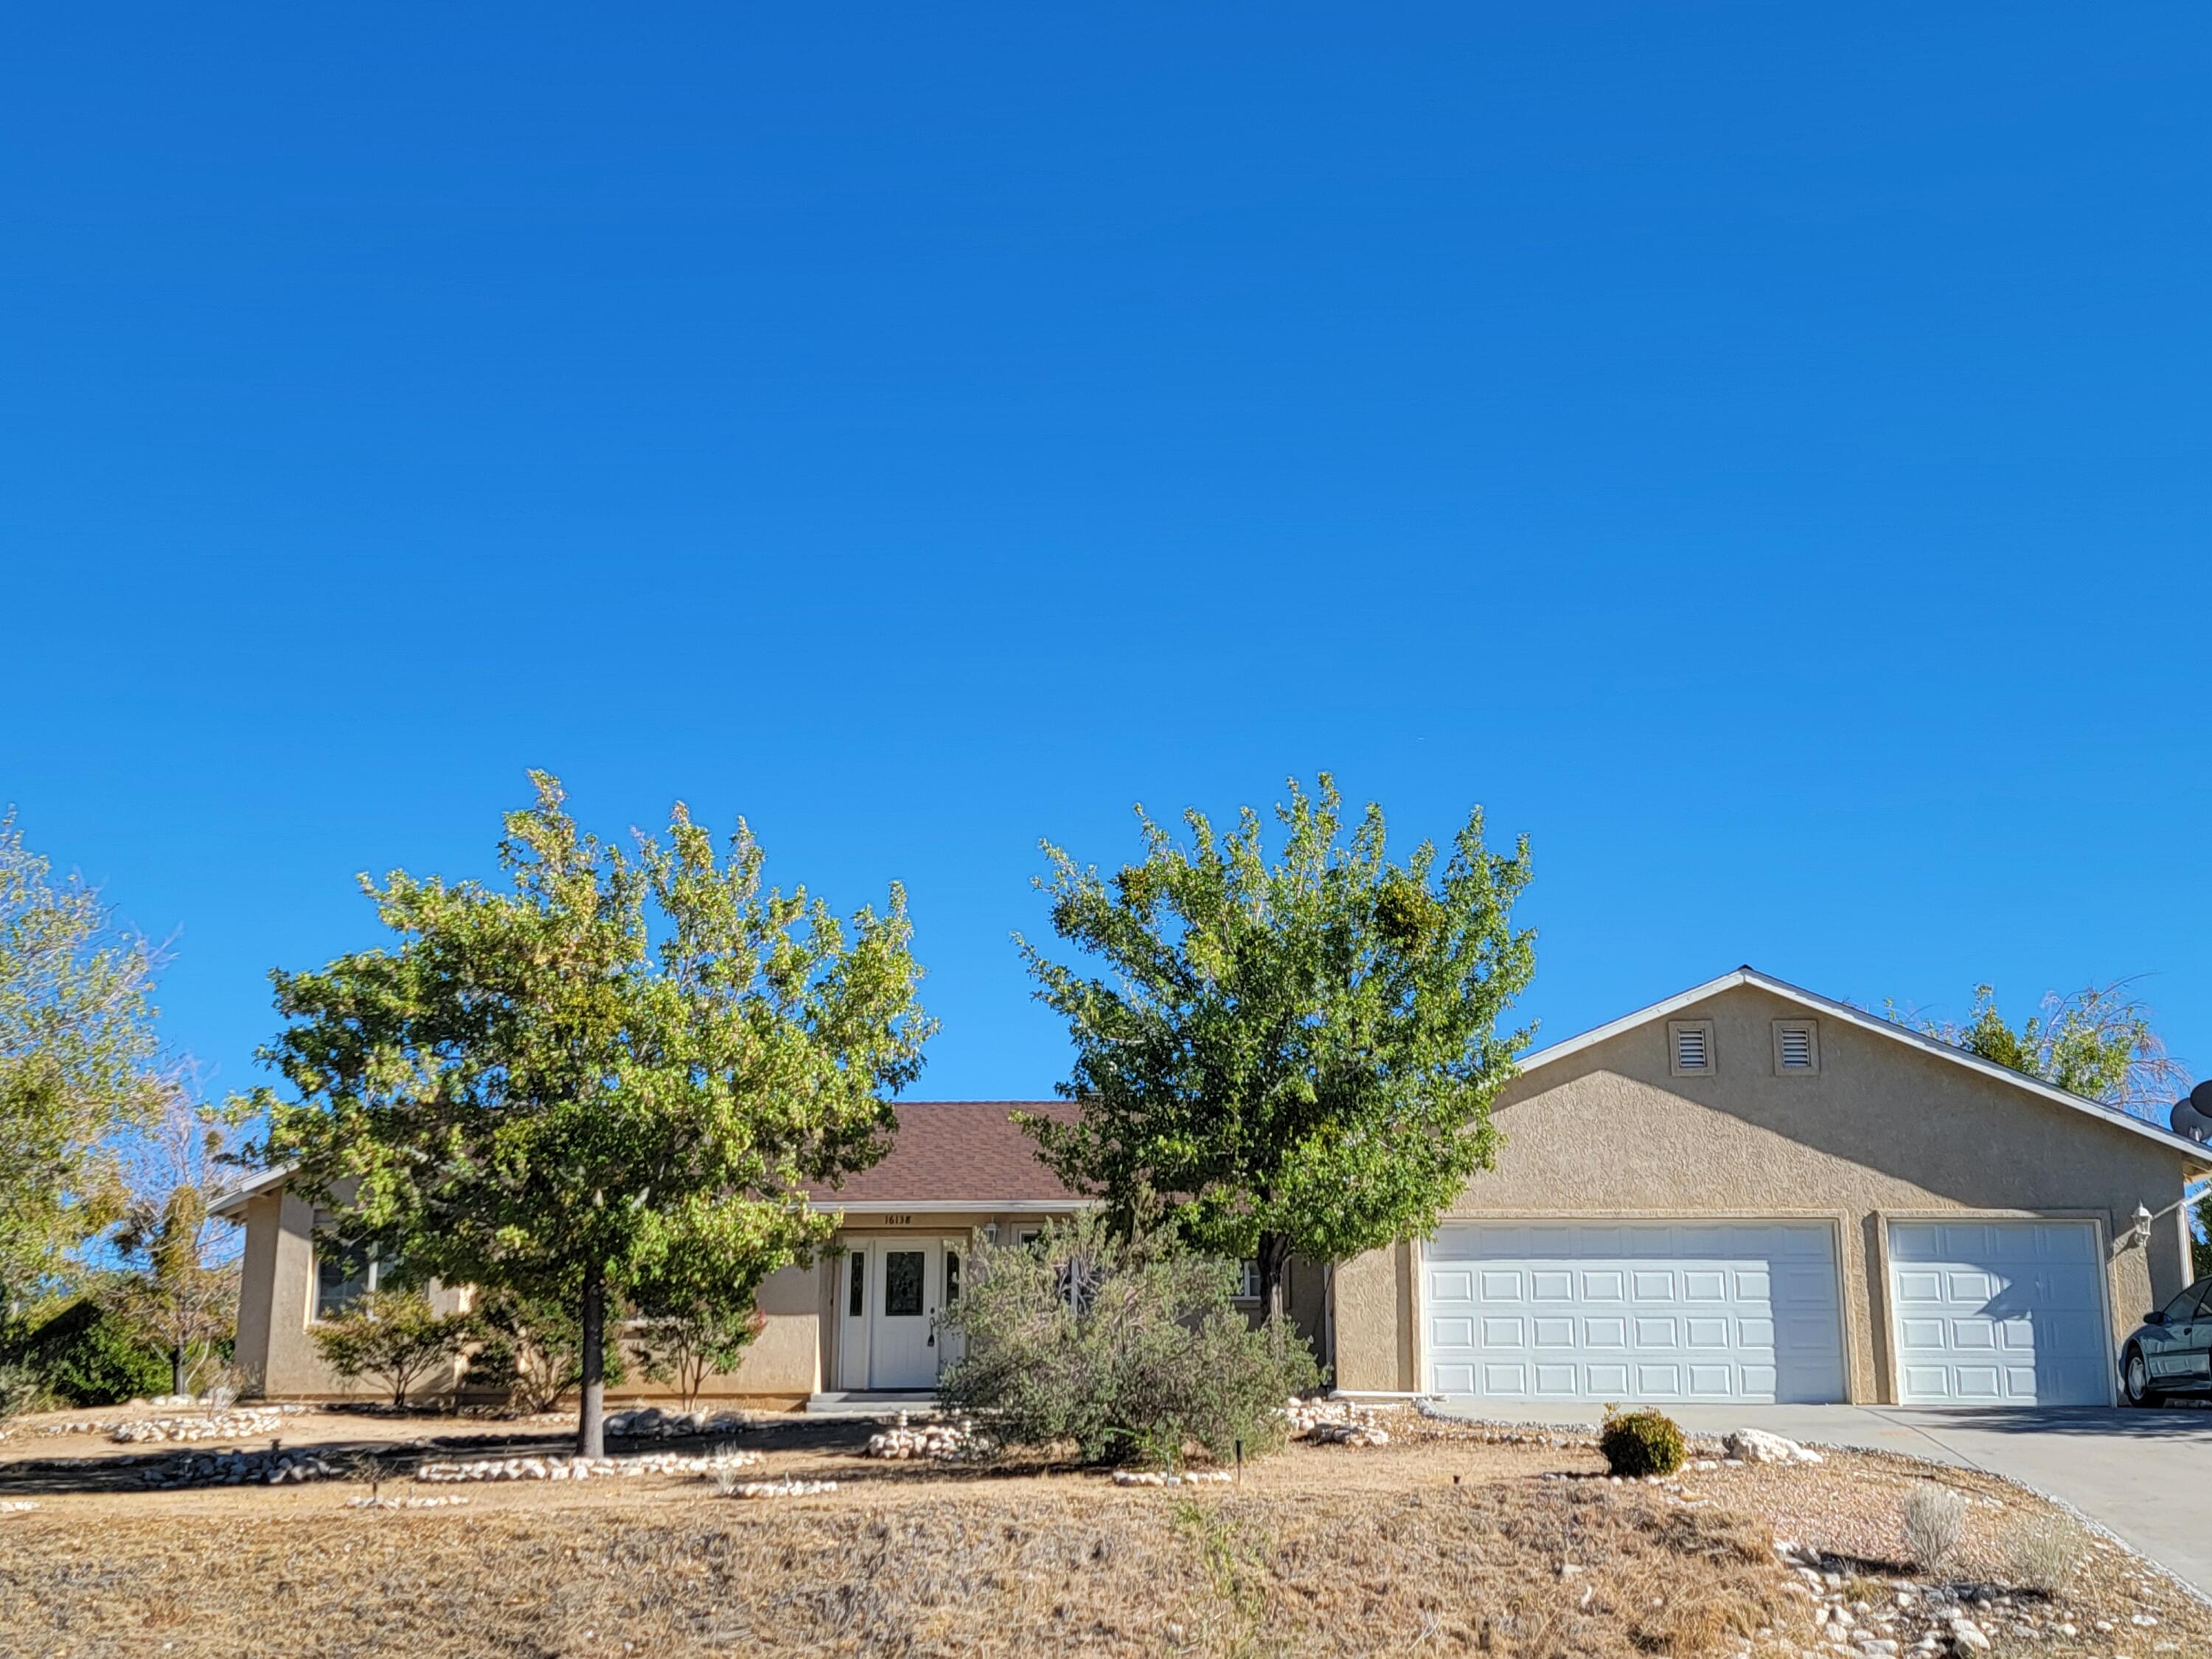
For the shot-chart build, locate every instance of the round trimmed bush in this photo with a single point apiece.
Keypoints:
(1638, 1444)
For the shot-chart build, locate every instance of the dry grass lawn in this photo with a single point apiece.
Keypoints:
(1442, 1542)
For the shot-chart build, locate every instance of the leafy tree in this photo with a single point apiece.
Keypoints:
(2097, 1043)
(686, 1333)
(394, 1337)
(84, 1354)
(1122, 1340)
(20, 1391)
(78, 1059)
(1300, 1055)
(624, 1061)
(533, 1350)
(182, 1289)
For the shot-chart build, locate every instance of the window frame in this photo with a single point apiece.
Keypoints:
(374, 1270)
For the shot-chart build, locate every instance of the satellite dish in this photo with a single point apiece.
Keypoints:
(2201, 1097)
(2188, 1121)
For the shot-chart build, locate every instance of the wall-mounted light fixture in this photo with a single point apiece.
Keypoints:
(2139, 1235)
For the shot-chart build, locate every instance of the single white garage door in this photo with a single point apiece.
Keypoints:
(1635, 1310)
(1998, 1313)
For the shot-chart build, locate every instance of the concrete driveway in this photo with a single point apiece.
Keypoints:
(2146, 1474)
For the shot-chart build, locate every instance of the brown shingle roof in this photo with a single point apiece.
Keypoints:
(958, 1152)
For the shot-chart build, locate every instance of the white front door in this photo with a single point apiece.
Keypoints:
(903, 1324)
(1999, 1313)
(1634, 1311)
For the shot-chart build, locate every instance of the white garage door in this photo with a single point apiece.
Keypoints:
(1634, 1311)
(1998, 1313)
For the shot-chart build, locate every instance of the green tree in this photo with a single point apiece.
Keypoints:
(2097, 1043)
(78, 1060)
(683, 1337)
(394, 1337)
(532, 1351)
(626, 1061)
(1299, 1056)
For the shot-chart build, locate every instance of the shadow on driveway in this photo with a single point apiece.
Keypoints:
(2192, 1422)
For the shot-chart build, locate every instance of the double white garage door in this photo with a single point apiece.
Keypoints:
(1751, 1311)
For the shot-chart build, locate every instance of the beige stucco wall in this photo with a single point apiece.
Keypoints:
(276, 1301)
(1883, 1131)
(795, 1351)
(276, 1333)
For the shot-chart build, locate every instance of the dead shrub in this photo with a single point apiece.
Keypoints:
(2042, 1552)
(1934, 1521)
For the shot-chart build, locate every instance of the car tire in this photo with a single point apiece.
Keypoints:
(2134, 1380)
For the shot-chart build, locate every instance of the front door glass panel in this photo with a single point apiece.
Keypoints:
(903, 1283)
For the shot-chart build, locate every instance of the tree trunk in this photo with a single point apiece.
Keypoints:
(1274, 1257)
(591, 1430)
(177, 1368)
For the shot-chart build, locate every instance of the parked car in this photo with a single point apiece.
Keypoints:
(2170, 1352)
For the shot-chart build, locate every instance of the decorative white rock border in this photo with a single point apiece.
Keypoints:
(781, 1488)
(1159, 1478)
(585, 1468)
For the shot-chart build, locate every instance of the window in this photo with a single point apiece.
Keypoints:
(2182, 1308)
(344, 1274)
(903, 1283)
(1690, 1048)
(951, 1277)
(1025, 1236)
(1247, 1280)
(856, 1300)
(1797, 1047)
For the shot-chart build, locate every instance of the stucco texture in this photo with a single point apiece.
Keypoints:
(1883, 1131)
(276, 1330)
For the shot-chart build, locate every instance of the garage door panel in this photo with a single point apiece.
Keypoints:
(1999, 1313)
(1669, 1310)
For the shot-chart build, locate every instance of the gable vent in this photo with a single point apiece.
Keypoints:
(1796, 1048)
(1691, 1053)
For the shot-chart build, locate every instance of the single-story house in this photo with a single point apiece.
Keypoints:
(861, 1319)
(1745, 1193)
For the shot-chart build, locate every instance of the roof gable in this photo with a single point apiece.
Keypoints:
(2192, 1151)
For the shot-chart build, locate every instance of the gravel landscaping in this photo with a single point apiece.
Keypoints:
(1447, 1537)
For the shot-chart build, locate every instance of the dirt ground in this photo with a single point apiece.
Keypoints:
(1448, 1540)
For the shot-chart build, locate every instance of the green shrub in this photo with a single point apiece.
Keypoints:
(85, 1355)
(20, 1391)
(1129, 1348)
(393, 1337)
(532, 1351)
(1638, 1444)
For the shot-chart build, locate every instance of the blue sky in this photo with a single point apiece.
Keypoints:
(1759, 453)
